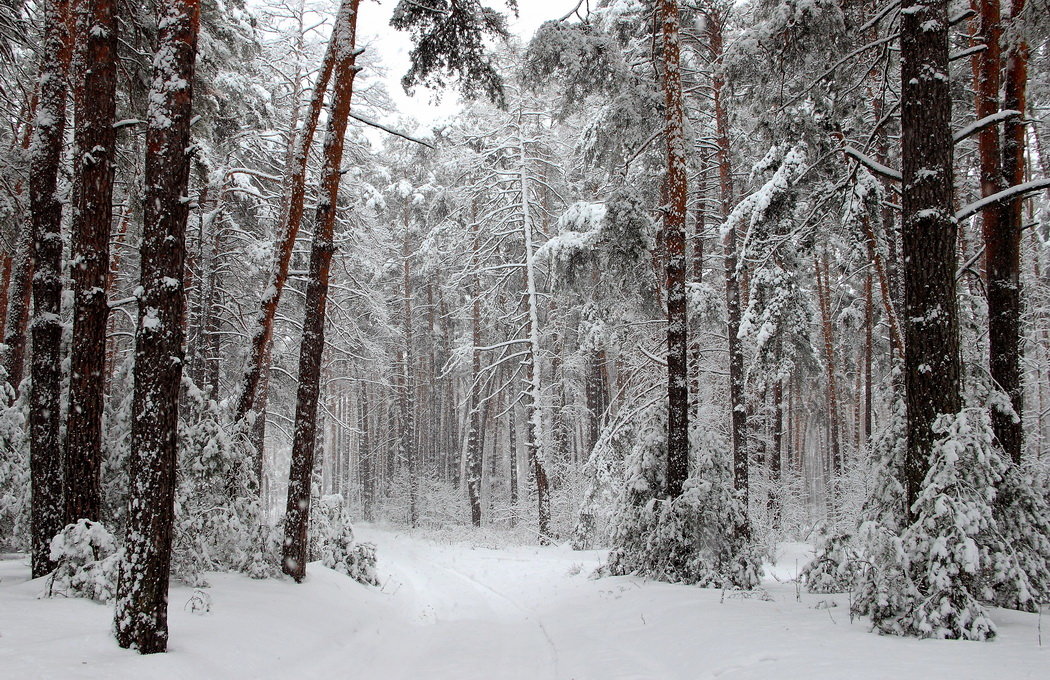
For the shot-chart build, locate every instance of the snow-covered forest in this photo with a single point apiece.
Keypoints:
(580, 339)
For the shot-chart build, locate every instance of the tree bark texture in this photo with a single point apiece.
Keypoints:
(929, 233)
(141, 618)
(676, 187)
(45, 153)
(95, 139)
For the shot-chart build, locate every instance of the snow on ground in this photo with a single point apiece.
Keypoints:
(458, 610)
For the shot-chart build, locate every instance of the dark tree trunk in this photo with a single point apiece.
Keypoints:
(95, 105)
(19, 294)
(676, 187)
(365, 463)
(45, 152)
(931, 336)
(5, 284)
(142, 593)
(344, 35)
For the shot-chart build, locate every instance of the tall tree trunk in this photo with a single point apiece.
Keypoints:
(676, 189)
(365, 461)
(1003, 249)
(45, 153)
(869, 351)
(292, 220)
(344, 38)
(95, 105)
(19, 286)
(406, 398)
(931, 342)
(534, 433)
(141, 618)
(738, 406)
(5, 285)
(19, 294)
(822, 271)
(473, 463)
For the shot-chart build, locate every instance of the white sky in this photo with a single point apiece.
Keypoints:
(392, 47)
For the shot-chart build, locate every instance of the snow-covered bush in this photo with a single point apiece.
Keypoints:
(88, 562)
(701, 537)
(332, 541)
(834, 566)
(219, 522)
(1017, 547)
(926, 581)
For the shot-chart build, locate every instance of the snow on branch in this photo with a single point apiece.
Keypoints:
(999, 197)
(368, 121)
(872, 164)
(979, 125)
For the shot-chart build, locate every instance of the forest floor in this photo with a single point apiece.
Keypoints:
(455, 608)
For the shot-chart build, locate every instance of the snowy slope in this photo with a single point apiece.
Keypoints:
(454, 610)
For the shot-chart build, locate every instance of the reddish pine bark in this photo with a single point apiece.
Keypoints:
(297, 519)
(1003, 252)
(95, 138)
(738, 418)
(141, 616)
(45, 153)
(676, 188)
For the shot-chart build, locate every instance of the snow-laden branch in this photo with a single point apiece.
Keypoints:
(979, 125)
(1000, 196)
(872, 164)
(368, 121)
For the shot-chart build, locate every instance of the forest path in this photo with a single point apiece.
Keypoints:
(459, 610)
(473, 610)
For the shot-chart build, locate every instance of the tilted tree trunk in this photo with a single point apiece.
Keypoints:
(292, 220)
(95, 106)
(676, 188)
(141, 617)
(297, 520)
(1003, 246)
(45, 153)
(929, 232)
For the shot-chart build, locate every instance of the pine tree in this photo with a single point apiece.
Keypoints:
(141, 616)
(44, 414)
(297, 519)
(95, 138)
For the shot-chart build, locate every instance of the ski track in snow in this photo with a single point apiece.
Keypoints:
(464, 612)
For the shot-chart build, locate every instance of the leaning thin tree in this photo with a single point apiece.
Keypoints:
(297, 520)
(141, 617)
